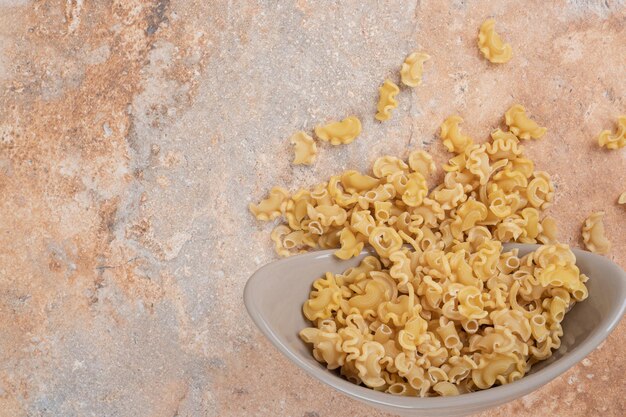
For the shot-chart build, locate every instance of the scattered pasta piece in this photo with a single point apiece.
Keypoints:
(387, 100)
(614, 141)
(594, 234)
(521, 125)
(491, 45)
(412, 69)
(451, 135)
(622, 198)
(305, 148)
(340, 133)
(272, 206)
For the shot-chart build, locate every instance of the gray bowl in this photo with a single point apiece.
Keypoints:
(275, 293)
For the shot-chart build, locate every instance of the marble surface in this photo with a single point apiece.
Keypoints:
(134, 133)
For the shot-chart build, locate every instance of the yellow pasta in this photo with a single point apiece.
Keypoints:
(548, 234)
(415, 190)
(614, 140)
(504, 145)
(622, 198)
(340, 133)
(324, 299)
(540, 191)
(594, 235)
(355, 182)
(350, 245)
(277, 236)
(495, 367)
(387, 165)
(368, 364)
(451, 135)
(422, 162)
(326, 346)
(521, 125)
(304, 148)
(471, 305)
(491, 45)
(272, 206)
(412, 69)
(446, 389)
(385, 241)
(387, 101)
(477, 162)
(441, 309)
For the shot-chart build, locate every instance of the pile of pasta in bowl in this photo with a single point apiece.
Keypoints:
(442, 309)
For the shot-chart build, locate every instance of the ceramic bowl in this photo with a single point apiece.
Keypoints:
(275, 293)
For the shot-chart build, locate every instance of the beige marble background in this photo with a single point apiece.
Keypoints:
(134, 133)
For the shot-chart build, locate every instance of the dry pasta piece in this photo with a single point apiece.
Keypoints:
(368, 364)
(622, 198)
(494, 368)
(446, 389)
(422, 162)
(387, 165)
(504, 145)
(305, 148)
(387, 100)
(594, 235)
(350, 245)
(353, 181)
(277, 236)
(451, 135)
(412, 69)
(614, 140)
(549, 230)
(385, 241)
(325, 298)
(340, 133)
(491, 45)
(415, 190)
(478, 162)
(540, 190)
(521, 125)
(326, 343)
(272, 206)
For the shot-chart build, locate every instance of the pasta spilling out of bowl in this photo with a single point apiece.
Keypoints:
(441, 309)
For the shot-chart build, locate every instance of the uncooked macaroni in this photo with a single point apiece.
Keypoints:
(272, 206)
(440, 308)
(614, 140)
(387, 101)
(451, 136)
(443, 321)
(422, 162)
(594, 235)
(491, 45)
(412, 69)
(340, 133)
(304, 148)
(521, 125)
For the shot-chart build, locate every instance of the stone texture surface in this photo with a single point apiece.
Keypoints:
(134, 133)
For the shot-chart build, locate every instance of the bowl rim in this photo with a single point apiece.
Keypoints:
(498, 394)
